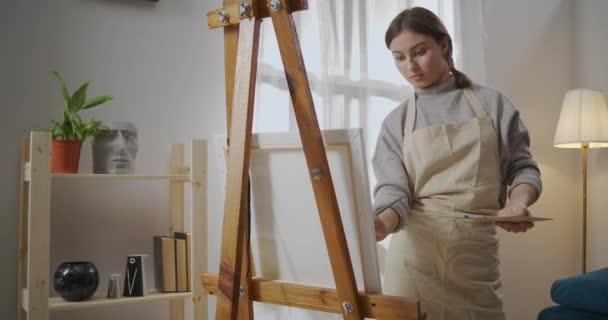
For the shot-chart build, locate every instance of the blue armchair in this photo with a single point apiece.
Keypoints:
(583, 297)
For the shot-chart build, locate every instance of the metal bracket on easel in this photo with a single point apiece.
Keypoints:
(232, 14)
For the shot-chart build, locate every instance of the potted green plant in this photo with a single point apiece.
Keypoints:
(69, 134)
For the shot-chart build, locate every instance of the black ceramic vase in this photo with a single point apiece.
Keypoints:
(76, 281)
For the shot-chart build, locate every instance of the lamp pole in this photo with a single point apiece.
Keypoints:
(585, 150)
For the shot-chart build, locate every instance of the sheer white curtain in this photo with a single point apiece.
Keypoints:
(352, 75)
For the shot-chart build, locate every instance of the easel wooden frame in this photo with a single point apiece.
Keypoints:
(234, 286)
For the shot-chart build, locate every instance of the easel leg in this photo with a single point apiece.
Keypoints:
(245, 311)
(316, 159)
(231, 39)
(238, 170)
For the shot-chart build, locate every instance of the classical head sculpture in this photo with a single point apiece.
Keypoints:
(115, 152)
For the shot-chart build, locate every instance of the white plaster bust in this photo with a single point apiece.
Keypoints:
(115, 153)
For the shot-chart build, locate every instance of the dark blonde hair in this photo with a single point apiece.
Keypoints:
(424, 21)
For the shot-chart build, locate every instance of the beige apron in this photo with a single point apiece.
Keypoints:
(449, 264)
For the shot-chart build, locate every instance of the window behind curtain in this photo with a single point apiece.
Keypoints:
(352, 75)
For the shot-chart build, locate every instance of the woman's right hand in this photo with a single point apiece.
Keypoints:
(385, 223)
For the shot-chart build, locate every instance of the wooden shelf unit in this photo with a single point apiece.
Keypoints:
(34, 279)
(57, 303)
(170, 177)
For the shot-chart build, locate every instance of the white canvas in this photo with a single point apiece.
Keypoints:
(286, 235)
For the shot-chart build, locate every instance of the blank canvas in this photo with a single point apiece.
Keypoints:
(286, 235)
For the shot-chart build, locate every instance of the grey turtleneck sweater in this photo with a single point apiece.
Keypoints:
(444, 103)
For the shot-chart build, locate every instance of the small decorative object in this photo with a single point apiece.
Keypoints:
(135, 279)
(113, 286)
(115, 151)
(69, 134)
(76, 281)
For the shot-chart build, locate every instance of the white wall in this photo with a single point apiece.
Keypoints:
(536, 51)
(8, 162)
(591, 71)
(166, 70)
(529, 57)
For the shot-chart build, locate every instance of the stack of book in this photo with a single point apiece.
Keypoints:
(172, 271)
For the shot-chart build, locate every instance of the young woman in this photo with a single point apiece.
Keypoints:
(453, 148)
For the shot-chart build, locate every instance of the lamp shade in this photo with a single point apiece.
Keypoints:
(583, 120)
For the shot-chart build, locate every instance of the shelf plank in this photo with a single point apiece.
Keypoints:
(176, 212)
(200, 228)
(92, 176)
(39, 221)
(57, 303)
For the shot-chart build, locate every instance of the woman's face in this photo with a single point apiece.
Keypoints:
(420, 59)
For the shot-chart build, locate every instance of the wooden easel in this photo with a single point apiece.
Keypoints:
(234, 287)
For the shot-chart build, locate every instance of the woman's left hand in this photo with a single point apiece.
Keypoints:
(515, 209)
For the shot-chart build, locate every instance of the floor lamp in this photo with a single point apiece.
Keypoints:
(583, 123)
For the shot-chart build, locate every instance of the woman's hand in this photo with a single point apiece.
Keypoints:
(385, 223)
(522, 196)
(381, 229)
(515, 209)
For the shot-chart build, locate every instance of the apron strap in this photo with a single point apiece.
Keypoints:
(410, 116)
(480, 111)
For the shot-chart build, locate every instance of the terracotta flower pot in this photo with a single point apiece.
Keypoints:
(65, 156)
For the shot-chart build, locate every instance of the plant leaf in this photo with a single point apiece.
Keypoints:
(96, 101)
(74, 124)
(73, 127)
(78, 119)
(64, 89)
(78, 98)
(88, 125)
(57, 130)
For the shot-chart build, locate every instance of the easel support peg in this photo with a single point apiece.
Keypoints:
(275, 5)
(244, 9)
